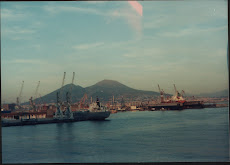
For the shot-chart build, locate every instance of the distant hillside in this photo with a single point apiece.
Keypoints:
(223, 93)
(104, 90)
(77, 92)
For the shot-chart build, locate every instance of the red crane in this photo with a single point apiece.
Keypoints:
(82, 101)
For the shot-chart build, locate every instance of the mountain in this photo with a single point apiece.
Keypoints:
(223, 93)
(104, 90)
(77, 92)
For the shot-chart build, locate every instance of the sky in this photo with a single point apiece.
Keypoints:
(170, 42)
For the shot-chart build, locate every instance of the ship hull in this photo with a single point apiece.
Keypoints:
(78, 116)
(98, 115)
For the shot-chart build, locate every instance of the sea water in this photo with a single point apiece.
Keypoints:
(192, 135)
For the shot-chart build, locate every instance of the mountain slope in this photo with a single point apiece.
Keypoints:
(223, 93)
(77, 92)
(104, 90)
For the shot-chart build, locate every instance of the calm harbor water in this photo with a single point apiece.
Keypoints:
(195, 135)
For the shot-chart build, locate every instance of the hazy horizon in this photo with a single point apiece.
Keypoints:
(173, 42)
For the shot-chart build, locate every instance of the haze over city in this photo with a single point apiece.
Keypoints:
(178, 42)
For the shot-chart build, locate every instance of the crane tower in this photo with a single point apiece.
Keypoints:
(58, 113)
(161, 93)
(68, 112)
(20, 95)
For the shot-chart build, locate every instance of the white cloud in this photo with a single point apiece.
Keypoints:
(37, 46)
(17, 30)
(123, 66)
(56, 9)
(88, 46)
(183, 13)
(192, 31)
(11, 14)
(26, 61)
(140, 52)
(96, 2)
(131, 17)
(17, 33)
(127, 13)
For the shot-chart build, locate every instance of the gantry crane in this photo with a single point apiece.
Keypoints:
(161, 94)
(176, 92)
(63, 80)
(32, 104)
(58, 113)
(20, 95)
(183, 93)
(71, 86)
(36, 91)
(68, 112)
(82, 101)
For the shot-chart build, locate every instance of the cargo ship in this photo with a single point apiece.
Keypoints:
(176, 102)
(96, 111)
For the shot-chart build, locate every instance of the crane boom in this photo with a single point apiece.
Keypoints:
(159, 88)
(36, 91)
(70, 90)
(175, 88)
(20, 94)
(63, 80)
(183, 93)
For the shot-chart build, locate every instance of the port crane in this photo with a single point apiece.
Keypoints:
(182, 93)
(20, 95)
(68, 112)
(161, 93)
(71, 86)
(41, 101)
(82, 101)
(36, 92)
(58, 113)
(32, 104)
(176, 92)
(63, 80)
(178, 95)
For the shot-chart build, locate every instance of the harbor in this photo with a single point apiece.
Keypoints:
(65, 111)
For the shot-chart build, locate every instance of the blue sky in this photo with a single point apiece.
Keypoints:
(181, 42)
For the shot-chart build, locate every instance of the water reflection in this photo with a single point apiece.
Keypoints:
(143, 136)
